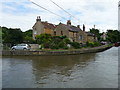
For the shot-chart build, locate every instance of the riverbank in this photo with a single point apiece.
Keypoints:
(55, 52)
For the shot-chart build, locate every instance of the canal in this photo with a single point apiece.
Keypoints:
(94, 70)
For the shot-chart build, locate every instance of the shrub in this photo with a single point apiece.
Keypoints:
(65, 47)
(96, 44)
(52, 42)
(67, 41)
(54, 46)
(76, 45)
(92, 44)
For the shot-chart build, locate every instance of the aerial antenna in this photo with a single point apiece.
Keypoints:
(94, 26)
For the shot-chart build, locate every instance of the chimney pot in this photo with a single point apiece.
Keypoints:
(78, 26)
(83, 27)
(38, 18)
(68, 22)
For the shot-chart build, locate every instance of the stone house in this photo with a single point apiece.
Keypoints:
(103, 36)
(42, 27)
(74, 33)
(91, 37)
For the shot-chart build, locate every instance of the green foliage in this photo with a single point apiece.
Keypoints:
(52, 42)
(75, 45)
(27, 37)
(96, 32)
(92, 44)
(96, 44)
(113, 36)
(28, 33)
(12, 36)
(43, 38)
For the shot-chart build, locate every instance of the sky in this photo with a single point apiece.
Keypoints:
(22, 13)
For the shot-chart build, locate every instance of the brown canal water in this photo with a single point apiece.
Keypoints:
(94, 70)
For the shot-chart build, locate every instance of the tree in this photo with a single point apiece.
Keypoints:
(96, 32)
(12, 36)
(113, 36)
(27, 33)
(43, 38)
(27, 36)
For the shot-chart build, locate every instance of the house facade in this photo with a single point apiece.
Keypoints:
(104, 36)
(42, 27)
(74, 33)
(91, 37)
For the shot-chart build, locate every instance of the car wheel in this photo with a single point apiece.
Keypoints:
(24, 49)
(13, 49)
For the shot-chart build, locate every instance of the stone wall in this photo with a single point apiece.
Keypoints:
(38, 29)
(64, 52)
(34, 47)
(62, 28)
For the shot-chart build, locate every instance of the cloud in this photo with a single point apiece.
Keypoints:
(22, 13)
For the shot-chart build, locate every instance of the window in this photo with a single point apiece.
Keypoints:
(55, 33)
(81, 37)
(61, 32)
(35, 32)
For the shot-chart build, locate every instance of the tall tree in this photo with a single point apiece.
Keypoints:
(96, 32)
(28, 33)
(12, 36)
(113, 36)
(27, 36)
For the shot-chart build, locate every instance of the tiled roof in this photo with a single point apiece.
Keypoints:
(90, 34)
(72, 28)
(48, 25)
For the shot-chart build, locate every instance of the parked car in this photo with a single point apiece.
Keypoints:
(103, 42)
(21, 47)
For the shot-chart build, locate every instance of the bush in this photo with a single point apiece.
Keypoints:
(54, 46)
(96, 44)
(65, 47)
(75, 45)
(67, 41)
(93, 44)
(52, 42)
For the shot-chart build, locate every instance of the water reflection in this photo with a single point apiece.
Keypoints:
(77, 71)
(56, 68)
(64, 65)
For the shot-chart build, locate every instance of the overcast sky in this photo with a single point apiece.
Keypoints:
(22, 13)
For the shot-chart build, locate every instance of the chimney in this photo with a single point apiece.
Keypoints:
(69, 22)
(78, 26)
(38, 19)
(83, 27)
(60, 23)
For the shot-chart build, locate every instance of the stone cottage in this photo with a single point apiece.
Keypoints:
(42, 27)
(74, 33)
(103, 36)
(91, 37)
